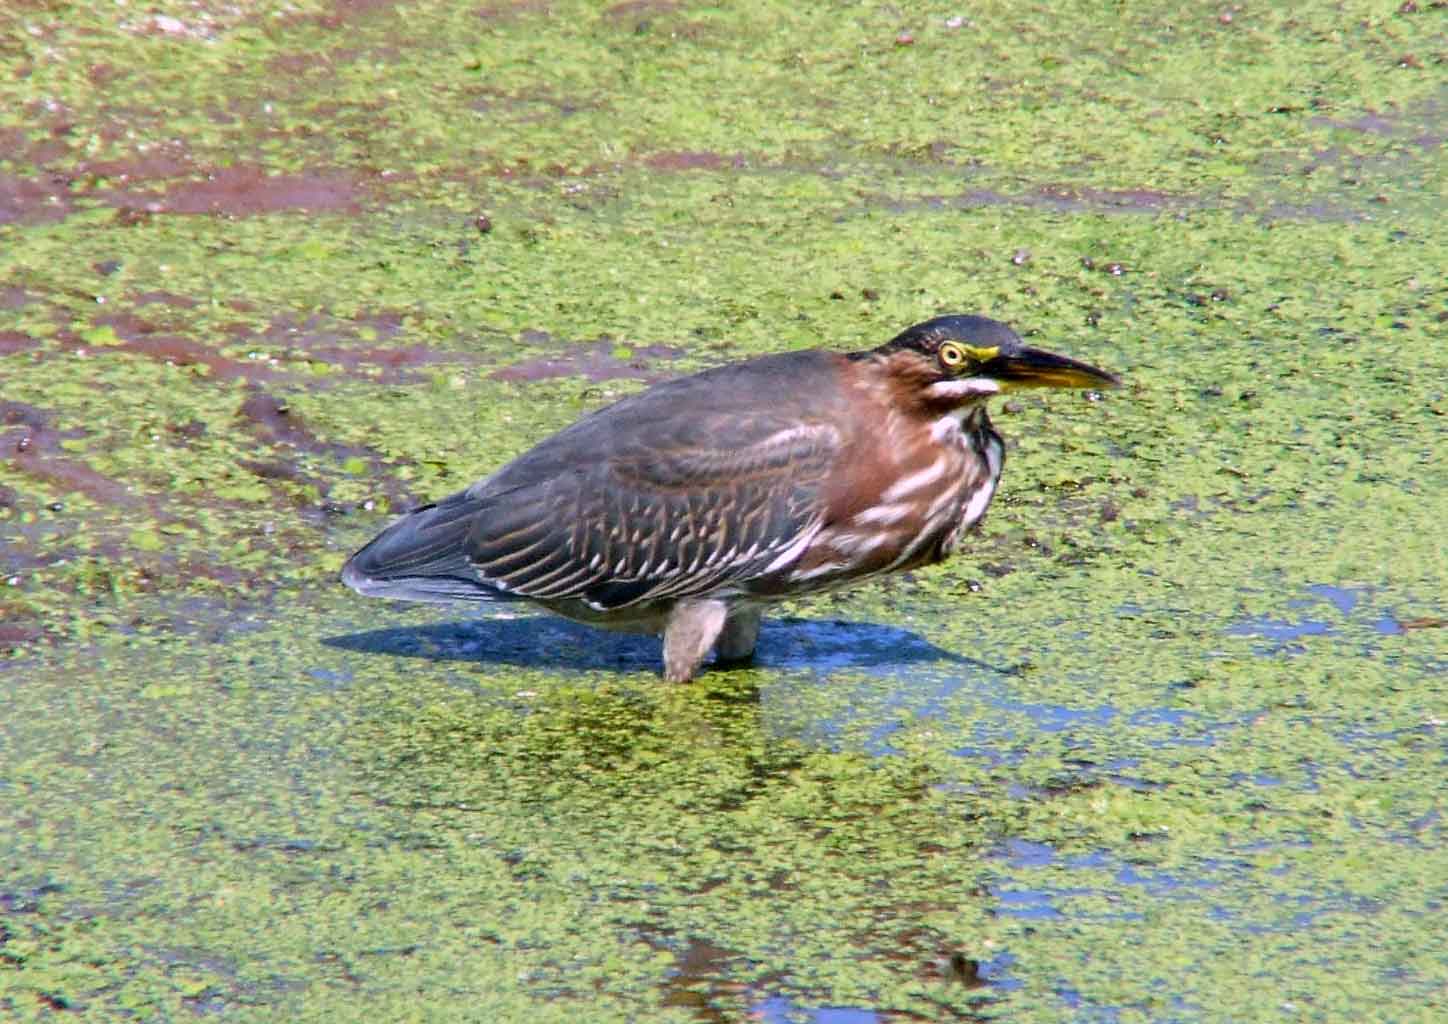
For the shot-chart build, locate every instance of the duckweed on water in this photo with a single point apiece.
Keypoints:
(1163, 744)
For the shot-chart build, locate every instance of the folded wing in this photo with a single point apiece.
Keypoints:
(655, 498)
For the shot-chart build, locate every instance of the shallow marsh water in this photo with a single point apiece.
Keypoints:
(1165, 744)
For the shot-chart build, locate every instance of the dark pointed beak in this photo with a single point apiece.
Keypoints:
(1036, 368)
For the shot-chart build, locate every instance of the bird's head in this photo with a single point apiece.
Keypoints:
(959, 359)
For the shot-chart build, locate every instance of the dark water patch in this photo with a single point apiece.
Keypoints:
(341, 14)
(278, 844)
(281, 471)
(830, 645)
(931, 957)
(1166, 883)
(13, 141)
(165, 298)
(1071, 198)
(300, 64)
(544, 641)
(515, 9)
(1287, 635)
(391, 365)
(331, 680)
(1380, 150)
(278, 427)
(318, 328)
(33, 446)
(272, 420)
(1344, 599)
(58, 123)
(173, 350)
(1325, 211)
(351, 345)
(1057, 718)
(703, 982)
(177, 351)
(693, 160)
(36, 200)
(662, 18)
(210, 620)
(700, 979)
(28, 900)
(34, 541)
(1023, 853)
(1367, 738)
(377, 326)
(1083, 1011)
(126, 332)
(15, 297)
(600, 360)
(1281, 631)
(971, 708)
(1055, 902)
(15, 341)
(17, 634)
(244, 190)
(1370, 123)
(1031, 904)
(1402, 126)
(916, 697)
(635, 9)
(275, 423)
(127, 325)
(781, 1010)
(384, 324)
(157, 163)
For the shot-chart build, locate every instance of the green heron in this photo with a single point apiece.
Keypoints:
(684, 509)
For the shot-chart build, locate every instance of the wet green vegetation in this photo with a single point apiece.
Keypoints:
(1165, 743)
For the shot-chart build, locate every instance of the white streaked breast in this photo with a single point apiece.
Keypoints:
(915, 481)
(793, 552)
(942, 501)
(924, 537)
(994, 455)
(884, 515)
(849, 543)
(975, 508)
(807, 432)
(823, 569)
(960, 390)
(946, 430)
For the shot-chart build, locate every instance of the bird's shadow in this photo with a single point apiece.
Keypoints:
(546, 642)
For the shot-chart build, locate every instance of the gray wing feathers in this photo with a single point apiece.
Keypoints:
(662, 523)
(422, 557)
(671, 493)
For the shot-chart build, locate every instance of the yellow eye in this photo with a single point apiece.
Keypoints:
(951, 355)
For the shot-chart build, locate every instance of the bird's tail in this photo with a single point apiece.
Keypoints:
(423, 557)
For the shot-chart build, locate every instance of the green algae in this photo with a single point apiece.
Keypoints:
(1162, 744)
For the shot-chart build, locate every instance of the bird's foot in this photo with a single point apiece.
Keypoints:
(739, 636)
(692, 628)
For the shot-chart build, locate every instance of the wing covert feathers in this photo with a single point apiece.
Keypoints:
(669, 494)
